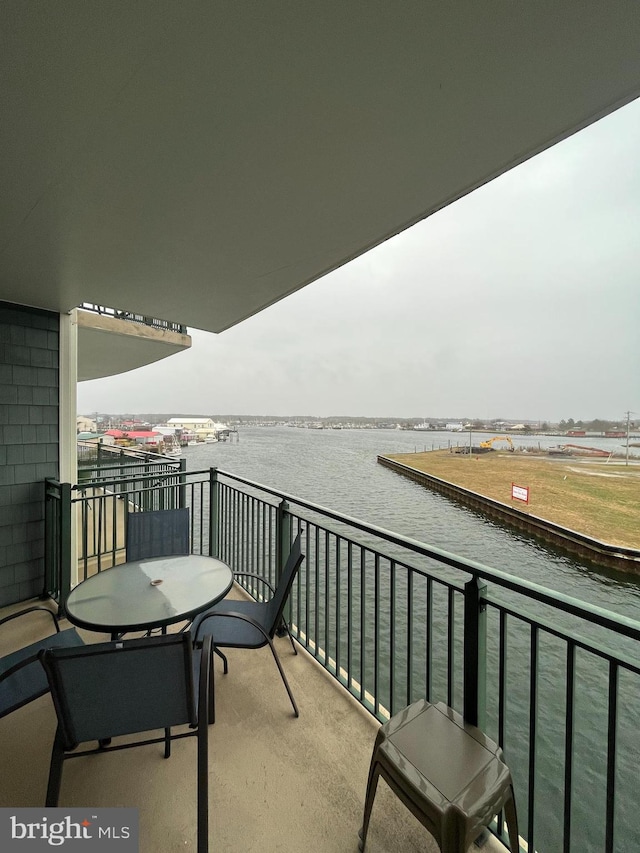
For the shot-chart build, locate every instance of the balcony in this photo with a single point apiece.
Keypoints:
(276, 782)
(382, 620)
(112, 342)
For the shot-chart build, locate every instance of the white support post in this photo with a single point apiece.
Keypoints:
(68, 445)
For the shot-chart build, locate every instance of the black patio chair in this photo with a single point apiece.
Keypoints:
(157, 533)
(250, 624)
(22, 678)
(125, 687)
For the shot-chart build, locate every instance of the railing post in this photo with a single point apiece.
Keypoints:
(121, 461)
(147, 496)
(182, 479)
(283, 536)
(65, 545)
(475, 644)
(283, 545)
(214, 510)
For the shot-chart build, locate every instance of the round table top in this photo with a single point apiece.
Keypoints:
(149, 593)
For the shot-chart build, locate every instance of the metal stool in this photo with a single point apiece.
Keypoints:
(449, 774)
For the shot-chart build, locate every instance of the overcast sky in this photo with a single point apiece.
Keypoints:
(520, 301)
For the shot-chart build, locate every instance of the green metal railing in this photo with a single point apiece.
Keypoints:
(94, 457)
(100, 501)
(394, 620)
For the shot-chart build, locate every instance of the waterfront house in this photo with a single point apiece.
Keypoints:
(84, 424)
(190, 164)
(192, 424)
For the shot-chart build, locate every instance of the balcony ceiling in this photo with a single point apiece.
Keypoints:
(199, 161)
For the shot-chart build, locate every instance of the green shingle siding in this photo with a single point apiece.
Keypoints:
(29, 416)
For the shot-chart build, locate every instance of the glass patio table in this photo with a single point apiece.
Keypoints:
(148, 593)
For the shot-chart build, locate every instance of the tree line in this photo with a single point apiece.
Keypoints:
(596, 425)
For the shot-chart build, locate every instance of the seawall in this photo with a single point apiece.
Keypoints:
(560, 538)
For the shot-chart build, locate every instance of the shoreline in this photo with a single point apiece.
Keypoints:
(561, 538)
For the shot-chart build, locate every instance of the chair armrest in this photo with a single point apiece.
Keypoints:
(31, 610)
(256, 577)
(235, 615)
(20, 665)
(205, 676)
(30, 680)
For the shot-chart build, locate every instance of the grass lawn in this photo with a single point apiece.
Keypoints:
(598, 498)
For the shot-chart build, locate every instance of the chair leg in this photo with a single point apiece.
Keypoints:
(212, 691)
(167, 743)
(203, 788)
(224, 659)
(205, 697)
(55, 771)
(295, 651)
(284, 677)
(372, 786)
(512, 822)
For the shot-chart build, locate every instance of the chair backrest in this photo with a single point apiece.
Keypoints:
(279, 599)
(158, 533)
(103, 690)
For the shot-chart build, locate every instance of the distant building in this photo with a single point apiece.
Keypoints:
(85, 424)
(143, 436)
(202, 428)
(96, 438)
(192, 423)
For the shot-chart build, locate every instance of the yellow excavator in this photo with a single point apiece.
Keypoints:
(488, 444)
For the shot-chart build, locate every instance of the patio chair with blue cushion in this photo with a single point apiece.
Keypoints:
(22, 678)
(250, 624)
(157, 533)
(126, 687)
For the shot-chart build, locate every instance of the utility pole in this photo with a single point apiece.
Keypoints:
(628, 414)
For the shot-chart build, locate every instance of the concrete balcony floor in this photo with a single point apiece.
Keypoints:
(277, 783)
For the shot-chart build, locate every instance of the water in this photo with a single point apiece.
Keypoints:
(339, 469)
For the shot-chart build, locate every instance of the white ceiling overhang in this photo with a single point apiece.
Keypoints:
(197, 161)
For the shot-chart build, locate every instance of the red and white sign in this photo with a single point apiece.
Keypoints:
(520, 493)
